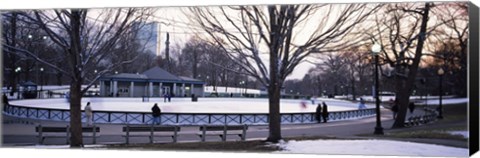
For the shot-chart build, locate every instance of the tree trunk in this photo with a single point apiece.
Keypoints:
(13, 75)
(404, 86)
(75, 115)
(77, 80)
(354, 97)
(274, 134)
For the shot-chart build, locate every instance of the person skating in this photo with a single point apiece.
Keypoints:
(89, 114)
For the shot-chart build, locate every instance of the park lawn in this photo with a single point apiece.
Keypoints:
(455, 119)
(237, 146)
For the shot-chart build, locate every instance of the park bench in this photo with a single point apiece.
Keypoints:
(150, 131)
(419, 120)
(64, 132)
(222, 131)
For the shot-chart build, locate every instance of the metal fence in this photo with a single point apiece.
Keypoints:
(122, 117)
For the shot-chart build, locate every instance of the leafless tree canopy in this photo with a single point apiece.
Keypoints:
(292, 32)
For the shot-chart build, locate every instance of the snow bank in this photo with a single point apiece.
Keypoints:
(370, 147)
(462, 133)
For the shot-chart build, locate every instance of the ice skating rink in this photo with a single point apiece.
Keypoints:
(184, 105)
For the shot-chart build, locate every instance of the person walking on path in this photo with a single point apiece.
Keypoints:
(394, 108)
(89, 114)
(411, 107)
(5, 102)
(324, 112)
(165, 96)
(156, 114)
(318, 112)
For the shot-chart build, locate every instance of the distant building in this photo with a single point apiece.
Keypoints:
(154, 82)
(149, 35)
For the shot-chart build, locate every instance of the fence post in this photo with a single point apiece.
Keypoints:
(151, 133)
(224, 137)
(40, 134)
(128, 133)
(244, 132)
(68, 134)
(94, 134)
(175, 134)
(203, 132)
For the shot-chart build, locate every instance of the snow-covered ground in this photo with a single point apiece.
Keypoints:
(220, 105)
(370, 147)
(462, 133)
(346, 147)
(447, 101)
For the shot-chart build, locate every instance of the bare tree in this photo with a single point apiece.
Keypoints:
(404, 33)
(85, 41)
(275, 35)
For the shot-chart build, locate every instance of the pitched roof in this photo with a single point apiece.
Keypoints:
(128, 75)
(160, 74)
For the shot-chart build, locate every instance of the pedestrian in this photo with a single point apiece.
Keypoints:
(318, 112)
(361, 105)
(89, 114)
(5, 99)
(395, 109)
(324, 112)
(169, 97)
(156, 114)
(5, 102)
(165, 96)
(411, 107)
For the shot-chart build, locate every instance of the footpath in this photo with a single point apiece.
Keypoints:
(17, 132)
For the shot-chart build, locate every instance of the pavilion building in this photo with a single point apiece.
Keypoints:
(154, 82)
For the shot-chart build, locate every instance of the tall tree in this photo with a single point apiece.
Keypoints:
(403, 32)
(277, 36)
(85, 41)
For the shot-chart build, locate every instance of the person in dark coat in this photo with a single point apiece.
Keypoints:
(169, 97)
(411, 107)
(5, 99)
(324, 112)
(5, 102)
(165, 96)
(156, 114)
(395, 109)
(318, 112)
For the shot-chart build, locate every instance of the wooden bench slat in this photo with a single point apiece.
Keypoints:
(148, 128)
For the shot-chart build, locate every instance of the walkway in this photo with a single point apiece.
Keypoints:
(21, 132)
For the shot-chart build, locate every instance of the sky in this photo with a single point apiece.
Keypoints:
(173, 20)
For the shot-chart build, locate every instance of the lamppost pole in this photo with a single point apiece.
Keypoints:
(440, 108)
(378, 128)
(41, 82)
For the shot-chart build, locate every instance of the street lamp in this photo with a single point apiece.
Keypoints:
(440, 73)
(41, 83)
(376, 48)
(95, 72)
(17, 70)
(41, 79)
